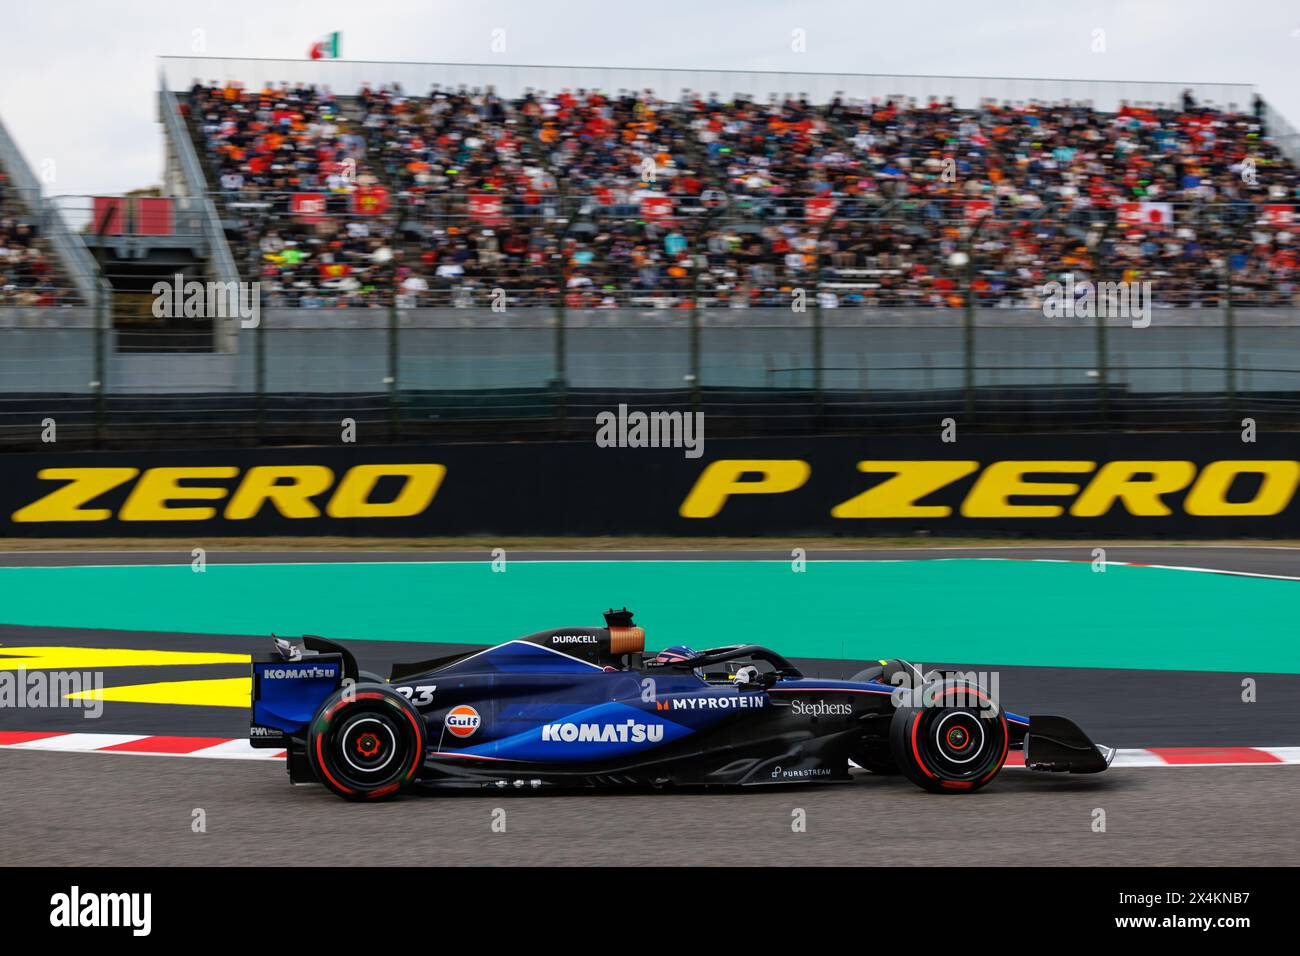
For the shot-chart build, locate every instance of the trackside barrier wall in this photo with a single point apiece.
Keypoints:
(1183, 485)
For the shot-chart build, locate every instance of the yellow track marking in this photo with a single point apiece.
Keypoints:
(93, 658)
(218, 692)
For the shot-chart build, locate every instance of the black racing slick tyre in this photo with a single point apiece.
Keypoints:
(952, 738)
(366, 742)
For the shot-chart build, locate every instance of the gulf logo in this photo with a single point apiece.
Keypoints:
(463, 720)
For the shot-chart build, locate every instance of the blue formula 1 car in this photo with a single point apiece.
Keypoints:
(587, 707)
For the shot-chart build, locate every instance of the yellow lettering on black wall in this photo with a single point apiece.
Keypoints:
(1116, 481)
(722, 479)
(1209, 496)
(157, 486)
(65, 504)
(289, 487)
(896, 497)
(352, 499)
(1003, 480)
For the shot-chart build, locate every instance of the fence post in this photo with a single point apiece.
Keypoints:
(394, 409)
(103, 304)
(1230, 334)
(818, 345)
(103, 320)
(1103, 352)
(968, 331)
(561, 353)
(710, 214)
(259, 369)
(561, 370)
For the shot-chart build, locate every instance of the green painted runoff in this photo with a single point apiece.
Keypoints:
(934, 611)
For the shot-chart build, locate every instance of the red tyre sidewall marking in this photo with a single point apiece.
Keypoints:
(916, 723)
(324, 725)
(916, 752)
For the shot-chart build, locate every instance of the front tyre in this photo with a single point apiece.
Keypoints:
(366, 742)
(954, 740)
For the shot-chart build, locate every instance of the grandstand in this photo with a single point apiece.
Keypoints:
(742, 201)
(30, 274)
(443, 243)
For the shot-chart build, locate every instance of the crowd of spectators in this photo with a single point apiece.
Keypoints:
(26, 274)
(267, 147)
(614, 199)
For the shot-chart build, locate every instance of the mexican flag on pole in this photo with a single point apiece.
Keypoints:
(326, 48)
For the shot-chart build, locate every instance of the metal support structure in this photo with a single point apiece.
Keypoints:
(560, 383)
(103, 323)
(259, 372)
(1103, 348)
(968, 324)
(103, 311)
(818, 346)
(1230, 329)
(710, 216)
(394, 406)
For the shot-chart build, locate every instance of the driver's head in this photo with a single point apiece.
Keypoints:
(675, 654)
(678, 653)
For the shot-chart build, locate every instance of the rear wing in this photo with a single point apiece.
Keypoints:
(290, 684)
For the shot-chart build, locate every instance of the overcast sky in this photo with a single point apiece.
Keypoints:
(79, 76)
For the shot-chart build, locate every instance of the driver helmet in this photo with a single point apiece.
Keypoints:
(677, 654)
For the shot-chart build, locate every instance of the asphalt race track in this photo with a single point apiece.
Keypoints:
(82, 809)
(122, 809)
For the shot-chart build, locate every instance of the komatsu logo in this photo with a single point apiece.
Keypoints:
(313, 673)
(624, 732)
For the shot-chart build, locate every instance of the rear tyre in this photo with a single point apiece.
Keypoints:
(953, 741)
(366, 744)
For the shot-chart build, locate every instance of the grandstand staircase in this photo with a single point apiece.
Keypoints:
(133, 265)
(23, 199)
(16, 206)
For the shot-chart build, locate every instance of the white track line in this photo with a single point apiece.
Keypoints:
(240, 749)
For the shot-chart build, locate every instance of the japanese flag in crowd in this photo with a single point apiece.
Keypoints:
(1279, 215)
(1147, 213)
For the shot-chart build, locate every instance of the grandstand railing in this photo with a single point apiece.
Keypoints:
(76, 261)
(347, 77)
(1282, 133)
(221, 261)
(181, 216)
